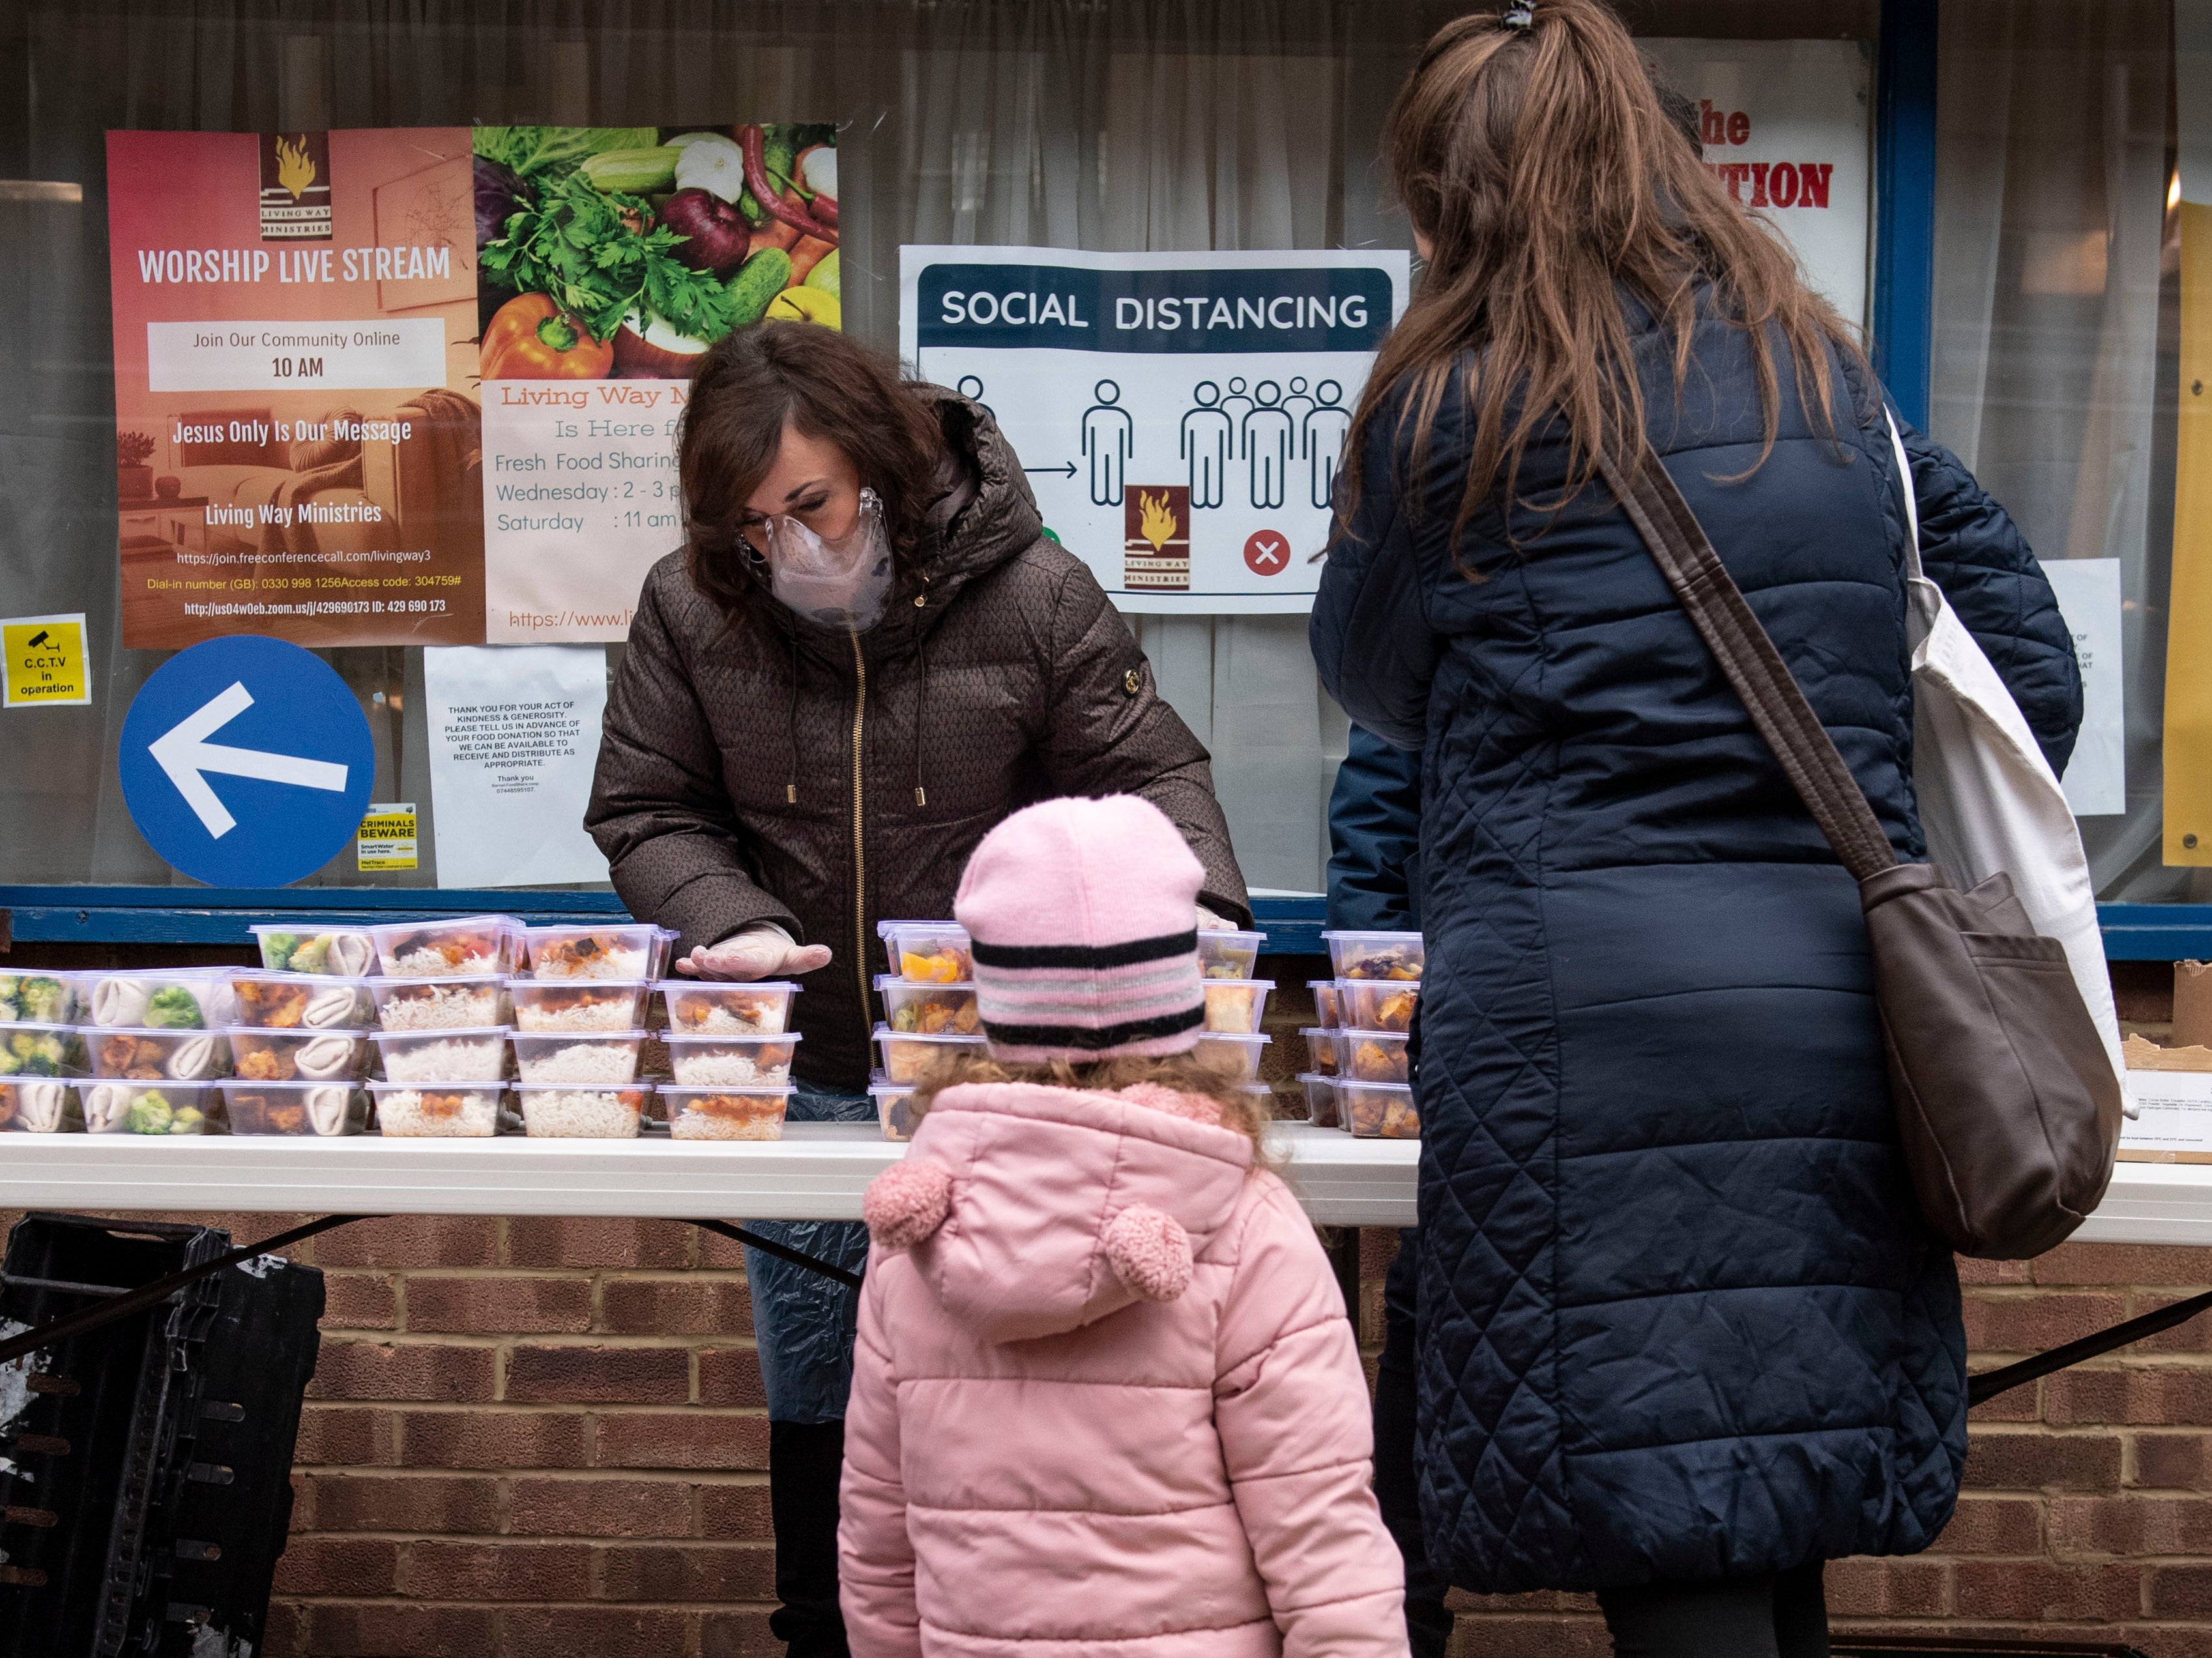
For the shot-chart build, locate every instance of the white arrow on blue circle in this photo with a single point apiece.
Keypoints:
(183, 752)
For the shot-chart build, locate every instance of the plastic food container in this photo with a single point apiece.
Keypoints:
(1234, 1005)
(664, 948)
(563, 1111)
(894, 1108)
(41, 998)
(307, 1056)
(720, 1008)
(1326, 1007)
(449, 1110)
(1376, 955)
(1320, 1099)
(1228, 955)
(146, 1108)
(1377, 1003)
(31, 1049)
(906, 1057)
(590, 952)
(302, 1001)
(1236, 1056)
(567, 1005)
(38, 1105)
(928, 952)
(923, 1010)
(608, 1059)
(439, 1003)
(473, 946)
(1371, 1056)
(295, 1108)
(1321, 1051)
(746, 1112)
(729, 1061)
(443, 1056)
(1378, 1110)
(177, 1000)
(347, 951)
(188, 1056)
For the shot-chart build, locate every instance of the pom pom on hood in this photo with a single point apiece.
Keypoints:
(907, 1202)
(1149, 1252)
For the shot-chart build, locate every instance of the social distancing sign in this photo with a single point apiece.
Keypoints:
(1180, 416)
(45, 662)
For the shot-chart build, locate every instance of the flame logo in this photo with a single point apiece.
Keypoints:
(1159, 524)
(295, 169)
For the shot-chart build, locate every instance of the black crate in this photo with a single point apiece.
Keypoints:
(149, 1492)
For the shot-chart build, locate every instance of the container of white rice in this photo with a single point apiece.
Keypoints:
(607, 1060)
(461, 1110)
(566, 1111)
(445, 1056)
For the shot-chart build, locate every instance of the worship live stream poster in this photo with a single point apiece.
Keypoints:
(420, 386)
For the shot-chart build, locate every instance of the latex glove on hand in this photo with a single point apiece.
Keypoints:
(760, 951)
(1209, 922)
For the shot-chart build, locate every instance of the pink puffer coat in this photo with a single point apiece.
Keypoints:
(1105, 1393)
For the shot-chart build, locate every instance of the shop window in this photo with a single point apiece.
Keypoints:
(1079, 123)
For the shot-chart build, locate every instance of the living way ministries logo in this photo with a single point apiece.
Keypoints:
(1156, 537)
(296, 186)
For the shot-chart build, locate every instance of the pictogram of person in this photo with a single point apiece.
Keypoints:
(1236, 405)
(1298, 405)
(971, 387)
(1321, 442)
(1267, 440)
(1108, 440)
(1207, 443)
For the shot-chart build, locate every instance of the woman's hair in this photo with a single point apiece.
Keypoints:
(1180, 1072)
(1541, 164)
(746, 388)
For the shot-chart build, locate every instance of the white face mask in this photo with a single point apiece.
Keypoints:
(845, 583)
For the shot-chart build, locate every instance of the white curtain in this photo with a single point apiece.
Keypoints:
(1171, 124)
(1135, 127)
(2056, 268)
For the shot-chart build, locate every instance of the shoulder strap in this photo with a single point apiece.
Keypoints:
(1912, 500)
(1677, 544)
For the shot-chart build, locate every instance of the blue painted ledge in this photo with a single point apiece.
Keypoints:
(205, 915)
(209, 915)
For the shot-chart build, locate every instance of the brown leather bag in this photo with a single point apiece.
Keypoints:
(2007, 1104)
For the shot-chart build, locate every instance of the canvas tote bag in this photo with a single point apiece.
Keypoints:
(2007, 1103)
(1988, 800)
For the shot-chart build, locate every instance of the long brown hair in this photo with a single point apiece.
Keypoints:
(747, 386)
(1537, 158)
(1180, 1072)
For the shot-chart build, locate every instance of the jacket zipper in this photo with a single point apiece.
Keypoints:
(859, 848)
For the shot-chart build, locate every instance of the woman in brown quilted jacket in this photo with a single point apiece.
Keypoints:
(786, 761)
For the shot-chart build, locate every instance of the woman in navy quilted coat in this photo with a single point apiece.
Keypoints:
(1683, 1335)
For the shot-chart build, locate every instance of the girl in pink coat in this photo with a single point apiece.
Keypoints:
(1105, 1398)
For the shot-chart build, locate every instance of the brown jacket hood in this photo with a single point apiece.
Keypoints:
(763, 769)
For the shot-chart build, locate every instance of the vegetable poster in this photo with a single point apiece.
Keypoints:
(608, 261)
(420, 386)
(1180, 416)
(296, 416)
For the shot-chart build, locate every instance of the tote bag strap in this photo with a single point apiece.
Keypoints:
(1716, 605)
(1911, 503)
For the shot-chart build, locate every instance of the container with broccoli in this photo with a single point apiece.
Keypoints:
(48, 997)
(40, 1050)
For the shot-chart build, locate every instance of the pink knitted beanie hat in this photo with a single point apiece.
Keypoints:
(1084, 918)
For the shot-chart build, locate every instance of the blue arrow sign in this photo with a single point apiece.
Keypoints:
(246, 762)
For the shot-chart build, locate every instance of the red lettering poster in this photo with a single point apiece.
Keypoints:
(298, 434)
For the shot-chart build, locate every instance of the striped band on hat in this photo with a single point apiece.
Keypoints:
(1142, 996)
